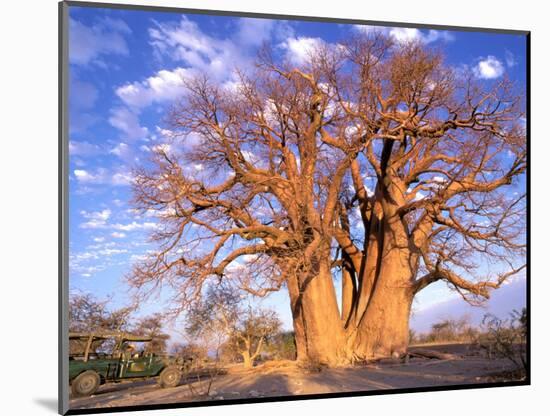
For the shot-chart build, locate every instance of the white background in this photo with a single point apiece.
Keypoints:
(28, 205)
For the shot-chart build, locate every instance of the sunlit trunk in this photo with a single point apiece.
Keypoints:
(371, 264)
(383, 328)
(247, 360)
(317, 324)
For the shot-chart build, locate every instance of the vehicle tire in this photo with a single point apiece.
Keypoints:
(85, 384)
(170, 377)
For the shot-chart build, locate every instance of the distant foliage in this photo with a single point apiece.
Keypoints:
(448, 330)
(89, 314)
(237, 330)
(152, 326)
(191, 350)
(506, 338)
(283, 346)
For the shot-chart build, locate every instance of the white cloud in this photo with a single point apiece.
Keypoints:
(254, 31)
(85, 176)
(119, 149)
(94, 224)
(370, 192)
(408, 34)
(102, 177)
(121, 179)
(250, 157)
(87, 44)
(437, 35)
(163, 147)
(163, 86)
(510, 59)
(201, 53)
(135, 226)
(249, 258)
(186, 42)
(298, 50)
(99, 239)
(438, 182)
(489, 68)
(125, 152)
(419, 196)
(350, 131)
(138, 257)
(96, 219)
(101, 215)
(84, 148)
(165, 132)
(405, 34)
(111, 251)
(128, 122)
(99, 220)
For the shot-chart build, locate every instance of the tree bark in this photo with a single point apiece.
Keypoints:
(247, 361)
(383, 329)
(318, 327)
(370, 263)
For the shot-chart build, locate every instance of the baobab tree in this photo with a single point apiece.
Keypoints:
(373, 164)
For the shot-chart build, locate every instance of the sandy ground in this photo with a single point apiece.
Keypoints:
(285, 378)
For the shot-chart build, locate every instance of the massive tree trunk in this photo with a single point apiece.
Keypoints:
(379, 320)
(319, 331)
(382, 327)
(376, 302)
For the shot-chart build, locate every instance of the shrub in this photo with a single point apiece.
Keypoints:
(506, 338)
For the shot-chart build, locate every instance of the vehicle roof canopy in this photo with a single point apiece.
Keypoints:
(121, 336)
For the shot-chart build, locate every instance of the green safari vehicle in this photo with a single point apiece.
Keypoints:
(88, 370)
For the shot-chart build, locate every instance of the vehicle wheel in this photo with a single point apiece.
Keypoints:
(170, 377)
(85, 384)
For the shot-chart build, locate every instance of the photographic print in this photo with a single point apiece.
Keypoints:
(262, 208)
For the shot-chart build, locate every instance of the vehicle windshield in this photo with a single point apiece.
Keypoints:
(136, 349)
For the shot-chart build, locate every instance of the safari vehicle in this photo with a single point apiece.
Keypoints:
(89, 369)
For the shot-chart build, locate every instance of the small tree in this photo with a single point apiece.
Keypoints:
(413, 336)
(221, 317)
(506, 338)
(151, 326)
(451, 330)
(252, 333)
(88, 314)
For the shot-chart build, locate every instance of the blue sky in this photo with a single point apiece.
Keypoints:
(126, 69)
